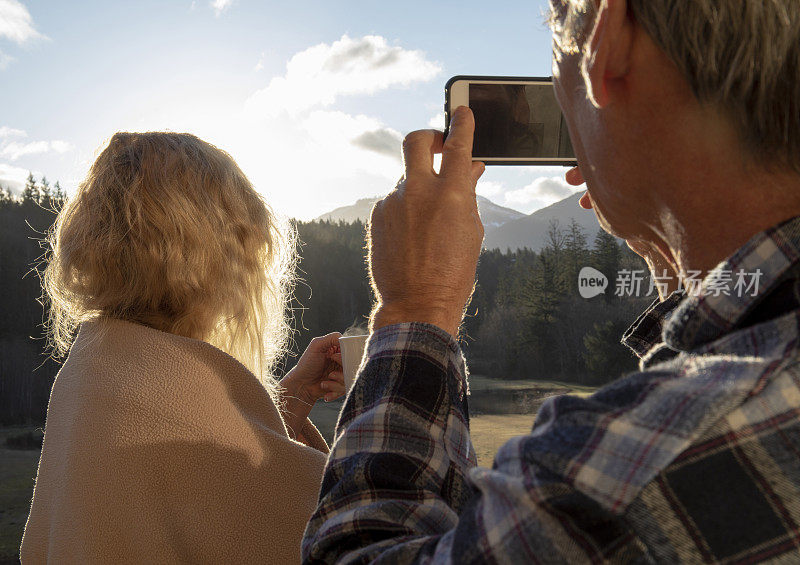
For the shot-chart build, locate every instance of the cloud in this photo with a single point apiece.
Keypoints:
(525, 189)
(60, 146)
(314, 163)
(14, 150)
(357, 138)
(221, 6)
(437, 122)
(5, 61)
(16, 23)
(260, 64)
(385, 141)
(490, 189)
(13, 177)
(6, 131)
(322, 73)
(541, 192)
(318, 156)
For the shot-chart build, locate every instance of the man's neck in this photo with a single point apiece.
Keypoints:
(708, 221)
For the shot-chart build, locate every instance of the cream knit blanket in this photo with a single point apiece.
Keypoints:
(164, 449)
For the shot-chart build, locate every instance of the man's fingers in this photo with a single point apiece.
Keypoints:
(418, 149)
(574, 176)
(457, 148)
(478, 169)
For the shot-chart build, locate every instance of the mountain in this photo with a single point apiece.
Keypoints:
(352, 213)
(492, 215)
(531, 231)
(504, 228)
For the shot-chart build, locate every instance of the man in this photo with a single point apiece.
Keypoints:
(686, 122)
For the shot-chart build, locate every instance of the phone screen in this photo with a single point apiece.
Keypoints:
(518, 121)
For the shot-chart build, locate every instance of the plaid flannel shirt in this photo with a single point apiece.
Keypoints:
(694, 458)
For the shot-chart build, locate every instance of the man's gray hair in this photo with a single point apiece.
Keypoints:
(742, 56)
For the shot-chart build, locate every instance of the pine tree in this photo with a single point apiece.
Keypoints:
(577, 255)
(555, 237)
(58, 193)
(606, 357)
(606, 258)
(5, 195)
(31, 191)
(45, 194)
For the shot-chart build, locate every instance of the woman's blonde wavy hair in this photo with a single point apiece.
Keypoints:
(166, 231)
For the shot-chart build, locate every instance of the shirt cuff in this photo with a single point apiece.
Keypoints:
(418, 338)
(646, 331)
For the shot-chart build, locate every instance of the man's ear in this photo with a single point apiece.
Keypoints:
(607, 54)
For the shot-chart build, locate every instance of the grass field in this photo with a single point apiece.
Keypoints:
(488, 430)
(479, 383)
(17, 474)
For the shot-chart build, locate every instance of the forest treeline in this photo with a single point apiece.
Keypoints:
(526, 320)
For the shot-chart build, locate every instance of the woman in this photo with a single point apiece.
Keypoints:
(161, 443)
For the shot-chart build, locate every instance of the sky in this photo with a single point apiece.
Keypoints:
(312, 98)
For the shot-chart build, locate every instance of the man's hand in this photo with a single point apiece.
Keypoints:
(425, 237)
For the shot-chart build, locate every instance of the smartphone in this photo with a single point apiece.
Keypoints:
(517, 120)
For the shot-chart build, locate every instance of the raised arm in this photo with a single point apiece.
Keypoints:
(401, 483)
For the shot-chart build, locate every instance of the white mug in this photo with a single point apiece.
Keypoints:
(352, 347)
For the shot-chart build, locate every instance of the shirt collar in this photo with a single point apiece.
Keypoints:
(729, 294)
